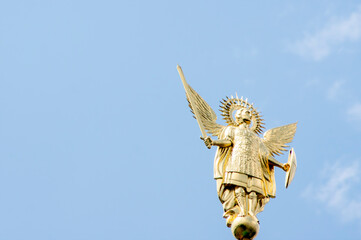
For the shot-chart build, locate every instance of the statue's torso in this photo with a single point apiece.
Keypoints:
(245, 154)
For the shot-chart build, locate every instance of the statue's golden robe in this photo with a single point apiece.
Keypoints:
(245, 163)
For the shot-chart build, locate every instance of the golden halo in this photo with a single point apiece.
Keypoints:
(229, 105)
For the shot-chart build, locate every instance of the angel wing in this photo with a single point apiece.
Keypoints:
(276, 139)
(204, 114)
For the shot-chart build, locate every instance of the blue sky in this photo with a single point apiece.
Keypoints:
(97, 141)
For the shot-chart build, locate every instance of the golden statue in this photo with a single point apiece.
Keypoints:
(244, 163)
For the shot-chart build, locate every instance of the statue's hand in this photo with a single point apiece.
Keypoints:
(207, 141)
(286, 167)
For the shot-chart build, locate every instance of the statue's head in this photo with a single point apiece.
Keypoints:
(237, 111)
(243, 115)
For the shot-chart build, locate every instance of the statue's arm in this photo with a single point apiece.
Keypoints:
(276, 163)
(220, 142)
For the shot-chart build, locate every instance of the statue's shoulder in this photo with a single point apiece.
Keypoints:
(230, 128)
(228, 132)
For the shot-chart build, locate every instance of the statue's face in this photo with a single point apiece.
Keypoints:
(243, 115)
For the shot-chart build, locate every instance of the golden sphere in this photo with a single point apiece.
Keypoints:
(245, 228)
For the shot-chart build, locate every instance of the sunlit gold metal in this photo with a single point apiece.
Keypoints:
(192, 101)
(244, 162)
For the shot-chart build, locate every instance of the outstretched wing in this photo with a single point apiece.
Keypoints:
(206, 114)
(276, 139)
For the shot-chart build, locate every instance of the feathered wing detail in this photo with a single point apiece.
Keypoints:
(276, 139)
(206, 113)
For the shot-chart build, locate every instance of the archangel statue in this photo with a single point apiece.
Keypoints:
(244, 162)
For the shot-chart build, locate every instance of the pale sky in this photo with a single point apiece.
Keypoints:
(97, 141)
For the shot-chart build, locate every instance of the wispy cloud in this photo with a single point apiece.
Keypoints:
(339, 191)
(313, 82)
(249, 52)
(335, 90)
(338, 92)
(354, 112)
(320, 44)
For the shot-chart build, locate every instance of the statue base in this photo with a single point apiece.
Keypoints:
(245, 228)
